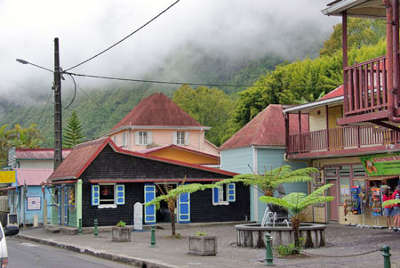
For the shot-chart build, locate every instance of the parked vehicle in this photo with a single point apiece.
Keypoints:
(3, 249)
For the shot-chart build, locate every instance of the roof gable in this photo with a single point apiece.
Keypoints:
(84, 154)
(337, 92)
(266, 129)
(157, 110)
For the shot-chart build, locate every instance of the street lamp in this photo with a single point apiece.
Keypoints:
(30, 63)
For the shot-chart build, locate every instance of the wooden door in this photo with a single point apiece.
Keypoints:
(333, 214)
(335, 132)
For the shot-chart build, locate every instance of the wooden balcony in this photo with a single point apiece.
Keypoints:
(343, 141)
(365, 92)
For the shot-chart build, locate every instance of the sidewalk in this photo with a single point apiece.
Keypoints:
(342, 240)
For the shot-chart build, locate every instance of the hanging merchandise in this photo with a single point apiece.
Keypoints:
(356, 199)
(376, 202)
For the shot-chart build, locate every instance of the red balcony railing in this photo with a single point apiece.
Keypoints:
(365, 87)
(339, 139)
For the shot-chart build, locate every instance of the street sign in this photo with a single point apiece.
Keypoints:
(7, 176)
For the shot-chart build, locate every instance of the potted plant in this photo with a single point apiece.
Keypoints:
(202, 244)
(121, 233)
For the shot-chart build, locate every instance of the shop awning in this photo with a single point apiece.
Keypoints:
(381, 178)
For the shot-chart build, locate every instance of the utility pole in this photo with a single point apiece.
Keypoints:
(57, 107)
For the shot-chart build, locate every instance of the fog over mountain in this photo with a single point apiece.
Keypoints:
(232, 31)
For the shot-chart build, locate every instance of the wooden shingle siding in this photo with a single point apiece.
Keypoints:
(202, 209)
(110, 216)
(112, 165)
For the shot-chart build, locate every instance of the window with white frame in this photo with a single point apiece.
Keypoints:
(143, 138)
(180, 138)
(108, 195)
(224, 194)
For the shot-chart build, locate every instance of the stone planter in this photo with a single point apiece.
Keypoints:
(203, 245)
(121, 234)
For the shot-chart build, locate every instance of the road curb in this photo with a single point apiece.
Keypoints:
(144, 263)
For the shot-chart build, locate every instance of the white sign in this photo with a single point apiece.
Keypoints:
(138, 216)
(34, 202)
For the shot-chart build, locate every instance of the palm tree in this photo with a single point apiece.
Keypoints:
(272, 179)
(296, 203)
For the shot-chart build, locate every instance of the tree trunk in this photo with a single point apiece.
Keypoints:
(295, 227)
(171, 207)
(269, 192)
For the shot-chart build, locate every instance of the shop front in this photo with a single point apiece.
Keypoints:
(356, 189)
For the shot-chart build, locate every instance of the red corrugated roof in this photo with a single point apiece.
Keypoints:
(83, 155)
(266, 129)
(38, 153)
(337, 92)
(30, 176)
(157, 110)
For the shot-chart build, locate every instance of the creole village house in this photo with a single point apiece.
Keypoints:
(100, 180)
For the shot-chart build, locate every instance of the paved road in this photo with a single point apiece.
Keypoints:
(23, 254)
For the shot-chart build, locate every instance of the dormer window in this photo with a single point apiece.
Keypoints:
(181, 138)
(143, 138)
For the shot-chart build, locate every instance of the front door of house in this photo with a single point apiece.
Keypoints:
(333, 206)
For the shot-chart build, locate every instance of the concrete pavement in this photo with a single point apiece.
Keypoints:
(169, 252)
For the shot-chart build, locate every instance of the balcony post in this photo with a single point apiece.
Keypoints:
(345, 61)
(327, 127)
(287, 132)
(389, 56)
(395, 5)
(300, 137)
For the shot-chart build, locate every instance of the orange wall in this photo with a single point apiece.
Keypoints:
(184, 156)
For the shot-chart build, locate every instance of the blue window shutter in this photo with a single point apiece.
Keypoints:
(150, 211)
(95, 195)
(120, 194)
(184, 208)
(231, 192)
(215, 195)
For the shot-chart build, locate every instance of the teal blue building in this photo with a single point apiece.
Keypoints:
(260, 146)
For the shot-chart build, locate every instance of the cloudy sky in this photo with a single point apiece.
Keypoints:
(233, 28)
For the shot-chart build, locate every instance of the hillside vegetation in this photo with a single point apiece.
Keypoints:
(225, 109)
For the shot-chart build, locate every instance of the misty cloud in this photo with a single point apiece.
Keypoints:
(230, 29)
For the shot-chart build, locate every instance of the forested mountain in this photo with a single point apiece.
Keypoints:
(262, 81)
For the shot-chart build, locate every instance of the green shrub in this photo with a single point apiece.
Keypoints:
(199, 233)
(121, 224)
(291, 249)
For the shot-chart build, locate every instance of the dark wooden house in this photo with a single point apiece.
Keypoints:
(102, 181)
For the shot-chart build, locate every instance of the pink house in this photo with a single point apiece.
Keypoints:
(157, 121)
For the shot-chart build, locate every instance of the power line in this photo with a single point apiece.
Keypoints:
(155, 81)
(123, 39)
(143, 80)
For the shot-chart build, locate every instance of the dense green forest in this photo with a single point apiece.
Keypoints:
(225, 109)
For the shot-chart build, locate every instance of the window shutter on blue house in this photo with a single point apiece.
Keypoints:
(184, 208)
(150, 211)
(231, 192)
(95, 195)
(120, 194)
(215, 195)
